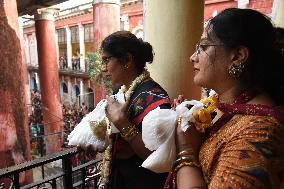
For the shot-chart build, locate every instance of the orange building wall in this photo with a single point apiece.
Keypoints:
(135, 14)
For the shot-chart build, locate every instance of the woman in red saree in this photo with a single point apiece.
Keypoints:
(244, 147)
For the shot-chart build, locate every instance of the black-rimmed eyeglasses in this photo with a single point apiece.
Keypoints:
(202, 47)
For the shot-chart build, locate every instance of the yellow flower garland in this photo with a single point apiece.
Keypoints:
(105, 169)
(204, 116)
(145, 74)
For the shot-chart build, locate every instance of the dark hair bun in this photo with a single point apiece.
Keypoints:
(147, 52)
(122, 43)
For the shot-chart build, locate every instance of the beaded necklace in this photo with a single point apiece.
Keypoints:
(239, 106)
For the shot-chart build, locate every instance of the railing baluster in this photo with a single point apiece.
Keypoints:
(83, 172)
(53, 184)
(67, 168)
(17, 180)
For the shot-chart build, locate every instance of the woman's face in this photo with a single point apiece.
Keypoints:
(210, 62)
(113, 70)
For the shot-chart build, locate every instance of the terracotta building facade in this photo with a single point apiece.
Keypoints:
(75, 39)
(78, 32)
(54, 45)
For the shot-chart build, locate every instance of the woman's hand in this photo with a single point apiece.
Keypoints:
(87, 152)
(117, 113)
(177, 101)
(191, 139)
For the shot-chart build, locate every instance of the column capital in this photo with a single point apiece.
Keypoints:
(81, 26)
(46, 14)
(106, 1)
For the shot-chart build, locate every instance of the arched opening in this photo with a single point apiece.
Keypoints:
(63, 88)
(75, 95)
(90, 98)
(33, 84)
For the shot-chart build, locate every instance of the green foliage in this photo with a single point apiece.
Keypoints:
(94, 63)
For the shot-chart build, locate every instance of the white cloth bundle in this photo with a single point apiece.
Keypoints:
(158, 134)
(83, 135)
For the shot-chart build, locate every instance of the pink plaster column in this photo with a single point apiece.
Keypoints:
(14, 133)
(49, 78)
(106, 19)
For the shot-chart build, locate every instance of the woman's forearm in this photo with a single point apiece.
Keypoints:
(190, 178)
(139, 147)
(134, 138)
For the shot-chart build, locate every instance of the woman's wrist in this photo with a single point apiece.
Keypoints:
(121, 123)
(187, 149)
(194, 177)
(186, 157)
(128, 131)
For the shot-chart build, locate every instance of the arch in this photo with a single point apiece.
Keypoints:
(75, 93)
(63, 88)
(90, 98)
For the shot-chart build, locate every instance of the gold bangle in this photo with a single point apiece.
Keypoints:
(190, 164)
(188, 151)
(129, 133)
(184, 159)
(132, 136)
(126, 130)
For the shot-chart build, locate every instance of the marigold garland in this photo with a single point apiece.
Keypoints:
(205, 116)
(123, 90)
(105, 169)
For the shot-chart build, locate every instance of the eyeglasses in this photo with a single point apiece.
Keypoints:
(202, 47)
(106, 59)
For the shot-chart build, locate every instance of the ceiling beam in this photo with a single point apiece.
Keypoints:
(30, 6)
